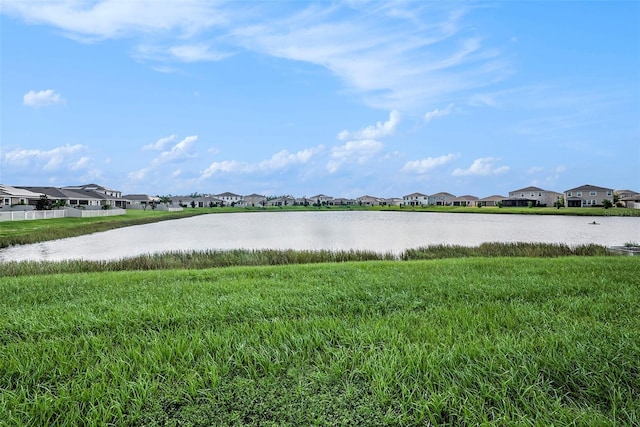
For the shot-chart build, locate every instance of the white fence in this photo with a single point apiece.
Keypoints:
(58, 213)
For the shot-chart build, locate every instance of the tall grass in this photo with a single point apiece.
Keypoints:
(243, 257)
(501, 341)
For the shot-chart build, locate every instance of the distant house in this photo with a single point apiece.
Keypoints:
(341, 201)
(253, 200)
(627, 198)
(281, 201)
(107, 196)
(321, 199)
(368, 201)
(531, 196)
(587, 196)
(441, 199)
(494, 200)
(140, 201)
(11, 196)
(464, 201)
(392, 201)
(415, 199)
(229, 199)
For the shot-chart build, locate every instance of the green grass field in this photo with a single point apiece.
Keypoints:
(494, 341)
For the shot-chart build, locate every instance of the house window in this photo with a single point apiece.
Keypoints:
(579, 194)
(593, 193)
(7, 201)
(569, 194)
(609, 193)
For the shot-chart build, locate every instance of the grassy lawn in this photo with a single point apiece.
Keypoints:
(499, 341)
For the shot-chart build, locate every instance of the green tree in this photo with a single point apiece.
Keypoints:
(43, 204)
(606, 203)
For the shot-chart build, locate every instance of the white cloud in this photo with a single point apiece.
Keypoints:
(160, 144)
(107, 19)
(42, 98)
(482, 167)
(535, 169)
(379, 130)
(438, 113)
(278, 161)
(426, 165)
(196, 53)
(353, 152)
(177, 153)
(54, 159)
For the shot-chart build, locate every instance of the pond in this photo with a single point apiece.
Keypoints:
(340, 230)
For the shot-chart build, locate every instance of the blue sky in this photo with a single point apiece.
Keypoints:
(344, 98)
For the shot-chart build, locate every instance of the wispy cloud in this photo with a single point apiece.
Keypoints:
(108, 19)
(438, 113)
(425, 165)
(482, 167)
(42, 98)
(394, 55)
(357, 152)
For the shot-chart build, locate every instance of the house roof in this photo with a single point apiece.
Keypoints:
(17, 191)
(140, 197)
(465, 198)
(495, 197)
(227, 194)
(443, 193)
(588, 187)
(530, 188)
(416, 195)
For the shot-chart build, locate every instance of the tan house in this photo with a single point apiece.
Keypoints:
(587, 196)
(494, 200)
(106, 195)
(368, 201)
(464, 201)
(229, 199)
(531, 196)
(253, 200)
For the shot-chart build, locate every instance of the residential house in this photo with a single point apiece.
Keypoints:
(107, 196)
(441, 199)
(627, 198)
(587, 196)
(321, 199)
(341, 201)
(229, 199)
(531, 196)
(494, 200)
(281, 201)
(253, 200)
(141, 201)
(464, 201)
(86, 200)
(415, 199)
(368, 201)
(11, 196)
(392, 201)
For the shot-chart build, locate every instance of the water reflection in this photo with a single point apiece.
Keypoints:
(343, 230)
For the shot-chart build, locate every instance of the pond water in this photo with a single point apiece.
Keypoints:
(341, 230)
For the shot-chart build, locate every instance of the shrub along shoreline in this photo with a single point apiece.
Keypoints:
(265, 257)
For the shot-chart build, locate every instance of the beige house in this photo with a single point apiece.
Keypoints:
(229, 199)
(464, 201)
(531, 196)
(106, 195)
(253, 200)
(368, 201)
(321, 199)
(587, 196)
(494, 200)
